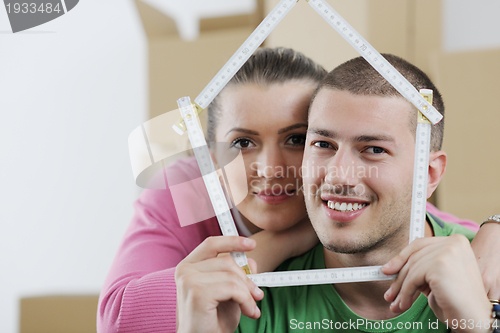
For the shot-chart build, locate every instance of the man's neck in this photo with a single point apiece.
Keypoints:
(367, 299)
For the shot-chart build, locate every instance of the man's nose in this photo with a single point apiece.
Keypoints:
(343, 169)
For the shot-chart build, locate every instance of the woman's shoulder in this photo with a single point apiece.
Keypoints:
(180, 171)
(171, 206)
(447, 217)
(187, 165)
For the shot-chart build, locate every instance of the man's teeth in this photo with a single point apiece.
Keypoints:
(345, 207)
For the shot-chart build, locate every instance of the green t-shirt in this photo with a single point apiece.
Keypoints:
(319, 308)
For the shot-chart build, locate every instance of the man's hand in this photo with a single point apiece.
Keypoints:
(486, 247)
(213, 291)
(445, 270)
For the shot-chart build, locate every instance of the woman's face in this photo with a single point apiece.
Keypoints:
(268, 124)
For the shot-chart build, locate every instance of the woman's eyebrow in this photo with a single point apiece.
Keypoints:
(242, 130)
(292, 127)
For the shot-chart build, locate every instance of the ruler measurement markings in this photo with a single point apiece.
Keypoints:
(420, 175)
(320, 276)
(420, 172)
(384, 68)
(209, 175)
(244, 52)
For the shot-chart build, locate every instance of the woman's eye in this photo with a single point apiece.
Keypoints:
(375, 150)
(242, 144)
(296, 140)
(321, 144)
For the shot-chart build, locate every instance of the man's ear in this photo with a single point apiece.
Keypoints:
(437, 166)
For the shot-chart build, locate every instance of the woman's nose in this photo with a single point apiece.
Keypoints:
(271, 164)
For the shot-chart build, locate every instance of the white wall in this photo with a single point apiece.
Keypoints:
(470, 25)
(71, 91)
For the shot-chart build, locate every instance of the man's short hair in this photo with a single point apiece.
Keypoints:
(359, 77)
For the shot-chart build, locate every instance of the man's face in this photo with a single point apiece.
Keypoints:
(358, 170)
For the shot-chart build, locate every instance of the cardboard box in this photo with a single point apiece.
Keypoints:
(469, 84)
(178, 68)
(59, 314)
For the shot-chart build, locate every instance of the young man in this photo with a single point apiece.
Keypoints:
(358, 174)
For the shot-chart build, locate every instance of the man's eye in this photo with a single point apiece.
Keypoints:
(242, 144)
(375, 150)
(321, 144)
(296, 140)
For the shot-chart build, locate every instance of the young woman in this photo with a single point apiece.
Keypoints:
(263, 113)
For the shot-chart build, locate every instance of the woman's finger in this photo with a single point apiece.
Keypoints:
(413, 257)
(393, 291)
(221, 263)
(212, 246)
(486, 248)
(396, 263)
(210, 289)
(233, 291)
(413, 282)
(426, 267)
(494, 293)
(253, 266)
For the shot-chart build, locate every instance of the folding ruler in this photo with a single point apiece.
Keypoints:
(427, 115)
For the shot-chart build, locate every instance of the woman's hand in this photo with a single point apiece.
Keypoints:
(213, 291)
(445, 270)
(486, 247)
(283, 245)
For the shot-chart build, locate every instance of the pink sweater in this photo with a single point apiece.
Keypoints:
(139, 294)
